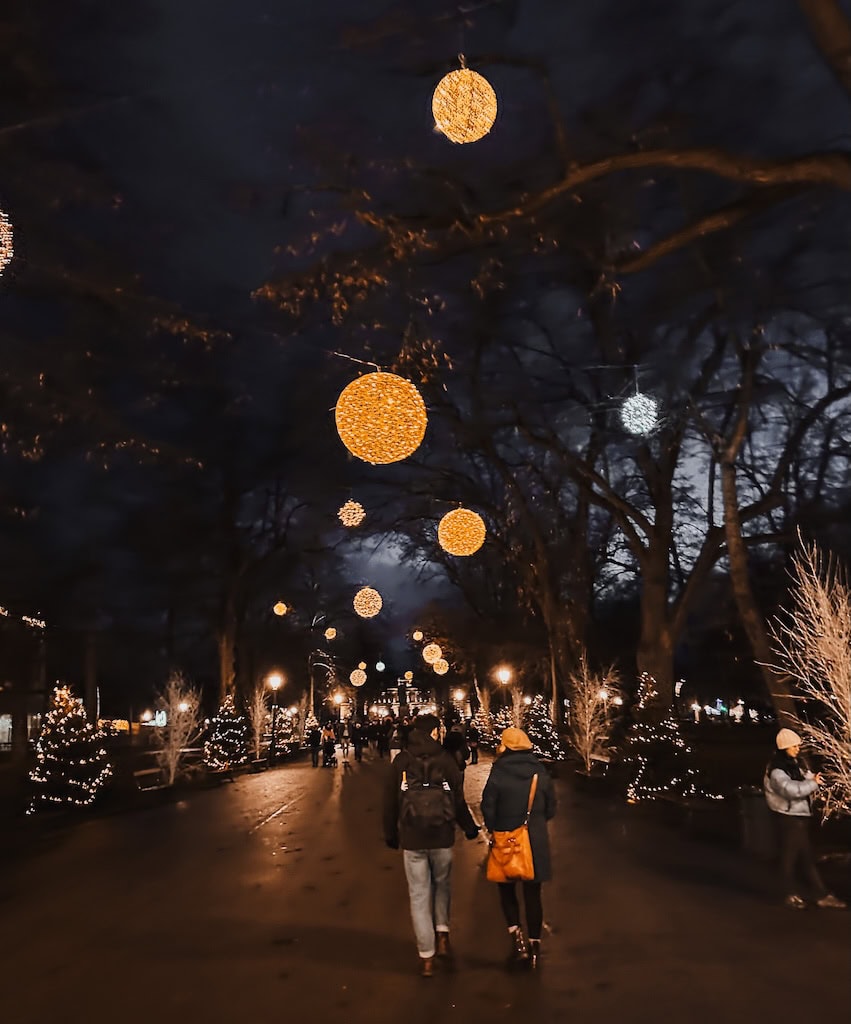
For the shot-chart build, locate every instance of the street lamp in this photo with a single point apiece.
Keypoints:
(504, 675)
(183, 706)
(459, 695)
(275, 681)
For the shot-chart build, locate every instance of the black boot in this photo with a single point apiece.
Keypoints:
(534, 953)
(519, 953)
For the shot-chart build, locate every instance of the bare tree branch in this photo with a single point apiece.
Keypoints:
(831, 32)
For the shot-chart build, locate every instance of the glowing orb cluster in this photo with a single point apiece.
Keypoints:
(330, 633)
(351, 514)
(464, 106)
(367, 603)
(441, 666)
(358, 677)
(431, 653)
(7, 248)
(639, 414)
(381, 418)
(461, 532)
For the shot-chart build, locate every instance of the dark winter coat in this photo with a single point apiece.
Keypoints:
(457, 747)
(506, 797)
(421, 747)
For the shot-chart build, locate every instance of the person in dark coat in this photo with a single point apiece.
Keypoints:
(314, 741)
(504, 802)
(473, 742)
(455, 743)
(427, 851)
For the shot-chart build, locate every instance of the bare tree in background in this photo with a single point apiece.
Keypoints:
(812, 640)
(182, 706)
(591, 700)
(258, 715)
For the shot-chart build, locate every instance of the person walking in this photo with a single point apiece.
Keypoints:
(358, 739)
(424, 801)
(329, 746)
(789, 787)
(504, 805)
(456, 744)
(314, 741)
(473, 742)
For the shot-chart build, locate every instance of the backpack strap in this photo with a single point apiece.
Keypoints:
(532, 790)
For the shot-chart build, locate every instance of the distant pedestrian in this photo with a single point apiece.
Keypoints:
(789, 787)
(329, 746)
(314, 741)
(345, 739)
(473, 742)
(456, 745)
(423, 803)
(504, 805)
(358, 739)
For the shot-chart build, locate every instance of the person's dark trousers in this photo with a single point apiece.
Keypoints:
(474, 755)
(531, 901)
(314, 756)
(358, 752)
(796, 851)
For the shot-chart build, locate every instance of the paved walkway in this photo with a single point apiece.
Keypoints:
(274, 899)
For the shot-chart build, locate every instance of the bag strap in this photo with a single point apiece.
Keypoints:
(532, 790)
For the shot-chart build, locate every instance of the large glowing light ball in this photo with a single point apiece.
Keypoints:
(639, 414)
(367, 603)
(351, 514)
(431, 652)
(330, 633)
(464, 106)
(461, 532)
(280, 608)
(358, 677)
(7, 248)
(441, 666)
(381, 418)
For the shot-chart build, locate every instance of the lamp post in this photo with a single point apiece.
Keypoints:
(275, 681)
(504, 675)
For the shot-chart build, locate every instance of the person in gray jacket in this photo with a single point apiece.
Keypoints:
(789, 787)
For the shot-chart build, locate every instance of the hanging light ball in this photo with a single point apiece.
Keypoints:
(330, 633)
(362, 665)
(441, 666)
(380, 666)
(461, 532)
(431, 652)
(280, 608)
(381, 418)
(7, 248)
(367, 603)
(358, 677)
(409, 675)
(464, 105)
(639, 414)
(417, 635)
(351, 514)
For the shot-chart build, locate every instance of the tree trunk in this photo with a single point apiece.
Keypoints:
(656, 644)
(750, 615)
(90, 675)
(227, 646)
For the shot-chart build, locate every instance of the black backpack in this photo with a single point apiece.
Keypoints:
(426, 803)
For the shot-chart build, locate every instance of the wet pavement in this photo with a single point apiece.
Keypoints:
(274, 898)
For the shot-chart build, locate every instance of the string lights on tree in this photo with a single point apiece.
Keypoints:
(226, 747)
(7, 249)
(461, 532)
(381, 418)
(431, 653)
(351, 514)
(464, 105)
(367, 603)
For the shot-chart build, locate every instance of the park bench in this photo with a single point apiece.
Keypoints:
(149, 779)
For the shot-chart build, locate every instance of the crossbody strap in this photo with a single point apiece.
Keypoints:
(532, 790)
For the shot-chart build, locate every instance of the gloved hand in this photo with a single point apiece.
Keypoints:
(472, 835)
(392, 844)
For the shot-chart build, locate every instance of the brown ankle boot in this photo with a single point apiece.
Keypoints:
(443, 948)
(427, 967)
(519, 953)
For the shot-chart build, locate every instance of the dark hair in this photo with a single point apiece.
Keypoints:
(427, 722)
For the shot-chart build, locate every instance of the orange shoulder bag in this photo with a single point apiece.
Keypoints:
(510, 857)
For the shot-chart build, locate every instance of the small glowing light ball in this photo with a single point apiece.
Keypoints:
(330, 633)
(362, 665)
(381, 418)
(461, 532)
(7, 248)
(367, 603)
(380, 666)
(280, 608)
(464, 106)
(409, 675)
(351, 514)
(417, 635)
(358, 677)
(441, 666)
(639, 414)
(431, 652)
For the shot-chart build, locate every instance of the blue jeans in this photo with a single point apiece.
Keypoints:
(429, 874)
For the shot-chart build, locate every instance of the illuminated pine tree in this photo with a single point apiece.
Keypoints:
(285, 737)
(539, 727)
(484, 723)
(503, 719)
(226, 747)
(71, 763)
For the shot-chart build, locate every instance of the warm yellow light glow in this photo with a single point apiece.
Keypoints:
(338, 698)
(464, 105)
(461, 532)
(527, 701)
(441, 666)
(381, 418)
(362, 665)
(147, 716)
(431, 652)
(417, 635)
(275, 680)
(409, 675)
(603, 694)
(459, 695)
(183, 706)
(7, 248)
(280, 608)
(330, 633)
(503, 675)
(351, 514)
(367, 603)
(358, 677)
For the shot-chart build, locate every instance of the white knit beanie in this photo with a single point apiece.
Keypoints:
(787, 738)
